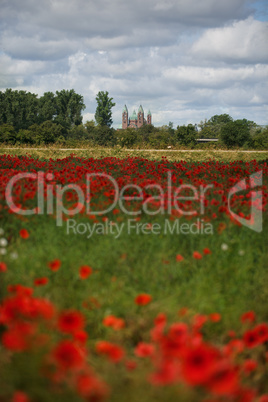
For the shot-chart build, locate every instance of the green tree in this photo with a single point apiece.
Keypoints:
(186, 135)
(235, 133)
(220, 119)
(90, 128)
(69, 106)
(104, 136)
(46, 133)
(103, 115)
(19, 108)
(47, 107)
(7, 133)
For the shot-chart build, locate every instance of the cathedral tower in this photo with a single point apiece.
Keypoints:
(140, 117)
(125, 117)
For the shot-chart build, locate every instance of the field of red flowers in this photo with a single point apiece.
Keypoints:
(128, 280)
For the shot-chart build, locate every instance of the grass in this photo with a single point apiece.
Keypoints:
(118, 152)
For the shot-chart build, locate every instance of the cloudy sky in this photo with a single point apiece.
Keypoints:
(185, 60)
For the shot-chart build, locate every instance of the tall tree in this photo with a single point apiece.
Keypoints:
(103, 115)
(19, 108)
(47, 107)
(69, 106)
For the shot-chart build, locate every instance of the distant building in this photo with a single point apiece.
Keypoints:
(135, 120)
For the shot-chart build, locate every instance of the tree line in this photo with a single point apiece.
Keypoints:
(27, 119)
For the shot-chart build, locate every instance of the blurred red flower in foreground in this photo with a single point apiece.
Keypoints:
(85, 271)
(144, 349)
(197, 255)
(249, 316)
(143, 299)
(199, 363)
(20, 396)
(179, 258)
(3, 267)
(24, 234)
(113, 322)
(68, 355)
(54, 265)
(40, 281)
(215, 317)
(114, 352)
(71, 321)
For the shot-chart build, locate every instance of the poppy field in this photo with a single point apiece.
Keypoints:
(132, 279)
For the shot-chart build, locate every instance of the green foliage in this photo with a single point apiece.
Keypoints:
(90, 128)
(47, 107)
(104, 136)
(220, 119)
(19, 108)
(69, 106)
(208, 132)
(103, 115)
(78, 133)
(25, 137)
(186, 135)
(7, 133)
(46, 132)
(259, 139)
(127, 138)
(23, 109)
(235, 133)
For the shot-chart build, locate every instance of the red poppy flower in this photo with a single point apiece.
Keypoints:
(85, 271)
(160, 319)
(68, 355)
(24, 234)
(206, 251)
(80, 336)
(13, 340)
(251, 338)
(114, 352)
(54, 265)
(113, 322)
(249, 365)
(40, 281)
(262, 331)
(249, 316)
(3, 267)
(198, 364)
(91, 388)
(144, 349)
(71, 321)
(215, 317)
(143, 299)
(20, 396)
(179, 258)
(197, 255)
(224, 380)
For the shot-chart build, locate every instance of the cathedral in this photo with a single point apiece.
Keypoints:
(135, 120)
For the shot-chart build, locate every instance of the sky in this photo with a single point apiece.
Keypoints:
(185, 60)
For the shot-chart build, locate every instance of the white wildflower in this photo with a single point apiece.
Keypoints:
(224, 246)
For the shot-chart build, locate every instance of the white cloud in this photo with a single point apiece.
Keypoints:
(243, 41)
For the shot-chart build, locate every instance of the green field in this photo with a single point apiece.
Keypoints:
(222, 270)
